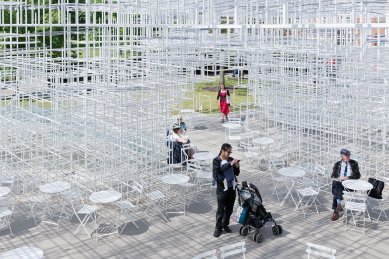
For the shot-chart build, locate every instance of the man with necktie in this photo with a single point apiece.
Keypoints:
(344, 169)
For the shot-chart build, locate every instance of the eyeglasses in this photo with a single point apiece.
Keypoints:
(229, 152)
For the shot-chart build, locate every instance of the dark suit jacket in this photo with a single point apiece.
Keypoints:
(354, 167)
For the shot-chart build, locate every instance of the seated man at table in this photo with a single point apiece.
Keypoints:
(180, 139)
(344, 169)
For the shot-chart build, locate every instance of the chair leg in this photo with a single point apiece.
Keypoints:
(382, 211)
(32, 212)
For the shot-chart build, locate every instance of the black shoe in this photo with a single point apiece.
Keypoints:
(217, 233)
(227, 229)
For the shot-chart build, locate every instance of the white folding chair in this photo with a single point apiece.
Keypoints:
(307, 196)
(127, 207)
(233, 250)
(87, 211)
(234, 135)
(212, 254)
(381, 203)
(35, 198)
(320, 250)
(7, 180)
(155, 200)
(203, 177)
(355, 205)
(6, 210)
(250, 153)
(277, 179)
(320, 174)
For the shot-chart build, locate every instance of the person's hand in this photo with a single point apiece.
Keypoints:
(342, 178)
(236, 164)
(234, 161)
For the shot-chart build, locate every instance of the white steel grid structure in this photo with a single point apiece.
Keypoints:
(90, 85)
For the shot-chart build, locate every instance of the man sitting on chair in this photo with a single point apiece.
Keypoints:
(344, 169)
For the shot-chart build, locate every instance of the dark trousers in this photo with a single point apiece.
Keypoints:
(225, 205)
(337, 191)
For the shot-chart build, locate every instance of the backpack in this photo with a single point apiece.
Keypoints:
(378, 186)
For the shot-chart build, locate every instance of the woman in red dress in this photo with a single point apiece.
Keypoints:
(224, 109)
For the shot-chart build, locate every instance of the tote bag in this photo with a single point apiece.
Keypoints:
(240, 215)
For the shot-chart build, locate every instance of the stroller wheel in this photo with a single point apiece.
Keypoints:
(244, 231)
(258, 238)
(279, 229)
(276, 230)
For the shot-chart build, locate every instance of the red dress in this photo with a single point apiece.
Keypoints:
(223, 103)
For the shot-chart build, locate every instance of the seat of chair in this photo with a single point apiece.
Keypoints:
(307, 191)
(7, 180)
(37, 198)
(125, 205)
(87, 209)
(187, 184)
(355, 206)
(280, 179)
(234, 137)
(155, 195)
(5, 212)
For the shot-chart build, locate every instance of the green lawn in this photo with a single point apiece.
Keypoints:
(43, 104)
(210, 89)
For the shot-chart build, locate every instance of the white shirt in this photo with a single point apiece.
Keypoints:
(343, 166)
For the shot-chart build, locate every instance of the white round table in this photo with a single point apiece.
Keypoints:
(203, 156)
(292, 172)
(175, 178)
(105, 196)
(263, 141)
(24, 252)
(230, 125)
(357, 185)
(55, 187)
(4, 191)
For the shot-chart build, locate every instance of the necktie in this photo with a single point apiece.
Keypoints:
(345, 170)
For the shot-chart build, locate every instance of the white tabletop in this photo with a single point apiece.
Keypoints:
(357, 185)
(55, 187)
(263, 141)
(4, 191)
(231, 125)
(292, 172)
(175, 178)
(105, 196)
(24, 252)
(203, 156)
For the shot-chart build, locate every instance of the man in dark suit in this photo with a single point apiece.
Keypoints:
(343, 170)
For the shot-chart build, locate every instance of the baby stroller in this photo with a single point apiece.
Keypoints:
(256, 215)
